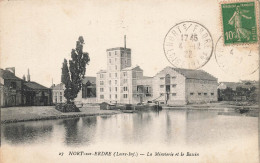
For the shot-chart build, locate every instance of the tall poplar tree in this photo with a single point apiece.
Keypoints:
(73, 75)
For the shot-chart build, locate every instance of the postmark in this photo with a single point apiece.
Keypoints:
(188, 45)
(239, 22)
(239, 60)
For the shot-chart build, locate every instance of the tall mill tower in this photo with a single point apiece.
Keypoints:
(117, 59)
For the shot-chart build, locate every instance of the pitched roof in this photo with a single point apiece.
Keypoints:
(91, 79)
(5, 74)
(195, 74)
(131, 68)
(101, 71)
(34, 85)
(58, 86)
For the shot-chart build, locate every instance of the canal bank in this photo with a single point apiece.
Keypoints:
(35, 113)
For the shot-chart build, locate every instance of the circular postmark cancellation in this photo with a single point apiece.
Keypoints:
(238, 60)
(188, 45)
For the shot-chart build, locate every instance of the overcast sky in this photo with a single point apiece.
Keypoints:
(39, 35)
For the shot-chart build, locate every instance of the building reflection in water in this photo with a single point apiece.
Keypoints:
(26, 132)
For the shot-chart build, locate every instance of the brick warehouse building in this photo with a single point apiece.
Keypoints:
(124, 83)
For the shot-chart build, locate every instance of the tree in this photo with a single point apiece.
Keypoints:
(72, 76)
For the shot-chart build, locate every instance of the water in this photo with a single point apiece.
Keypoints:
(201, 131)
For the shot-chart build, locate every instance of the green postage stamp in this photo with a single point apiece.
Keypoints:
(239, 22)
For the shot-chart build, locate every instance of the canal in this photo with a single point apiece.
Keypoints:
(213, 135)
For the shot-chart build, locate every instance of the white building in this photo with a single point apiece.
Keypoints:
(124, 83)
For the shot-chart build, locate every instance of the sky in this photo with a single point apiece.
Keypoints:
(38, 35)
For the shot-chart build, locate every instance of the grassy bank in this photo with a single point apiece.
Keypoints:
(34, 113)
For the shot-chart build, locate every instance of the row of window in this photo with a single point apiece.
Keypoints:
(173, 94)
(109, 82)
(201, 94)
(57, 93)
(123, 54)
(110, 89)
(173, 85)
(56, 99)
(111, 67)
(110, 96)
(110, 75)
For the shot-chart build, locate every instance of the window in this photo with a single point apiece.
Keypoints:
(161, 86)
(109, 53)
(174, 94)
(109, 82)
(167, 79)
(115, 96)
(13, 85)
(115, 67)
(116, 75)
(191, 93)
(212, 94)
(101, 96)
(101, 89)
(101, 82)
(161, 94)
(199, 94)
(110, 96)
(174, 77)
(115, 81)
(115, 52)
(125, 88)
(162, 78)
(205, 94)
(110, 89)
(125, 95)
(174, 85)
(60, 93)
(60, 98)
(101, 75)
(116, 89)
(124, 73)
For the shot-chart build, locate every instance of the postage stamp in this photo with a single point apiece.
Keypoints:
(239, 22)
(188, 45)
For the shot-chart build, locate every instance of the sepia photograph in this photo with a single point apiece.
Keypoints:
(174, 81)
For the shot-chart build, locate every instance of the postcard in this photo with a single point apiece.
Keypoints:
(129, 81)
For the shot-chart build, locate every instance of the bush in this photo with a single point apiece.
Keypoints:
(67, 108)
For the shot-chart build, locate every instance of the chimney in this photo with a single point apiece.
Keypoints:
(125, 41)
(11, 69)
(28, 76)
(24, 78)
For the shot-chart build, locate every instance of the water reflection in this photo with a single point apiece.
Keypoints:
(168, 127)
(77, 133)
(21, 133)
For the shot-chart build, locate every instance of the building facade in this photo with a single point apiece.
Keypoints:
(19, 92)
(124, 83)
(86, 95)
(175, 86)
